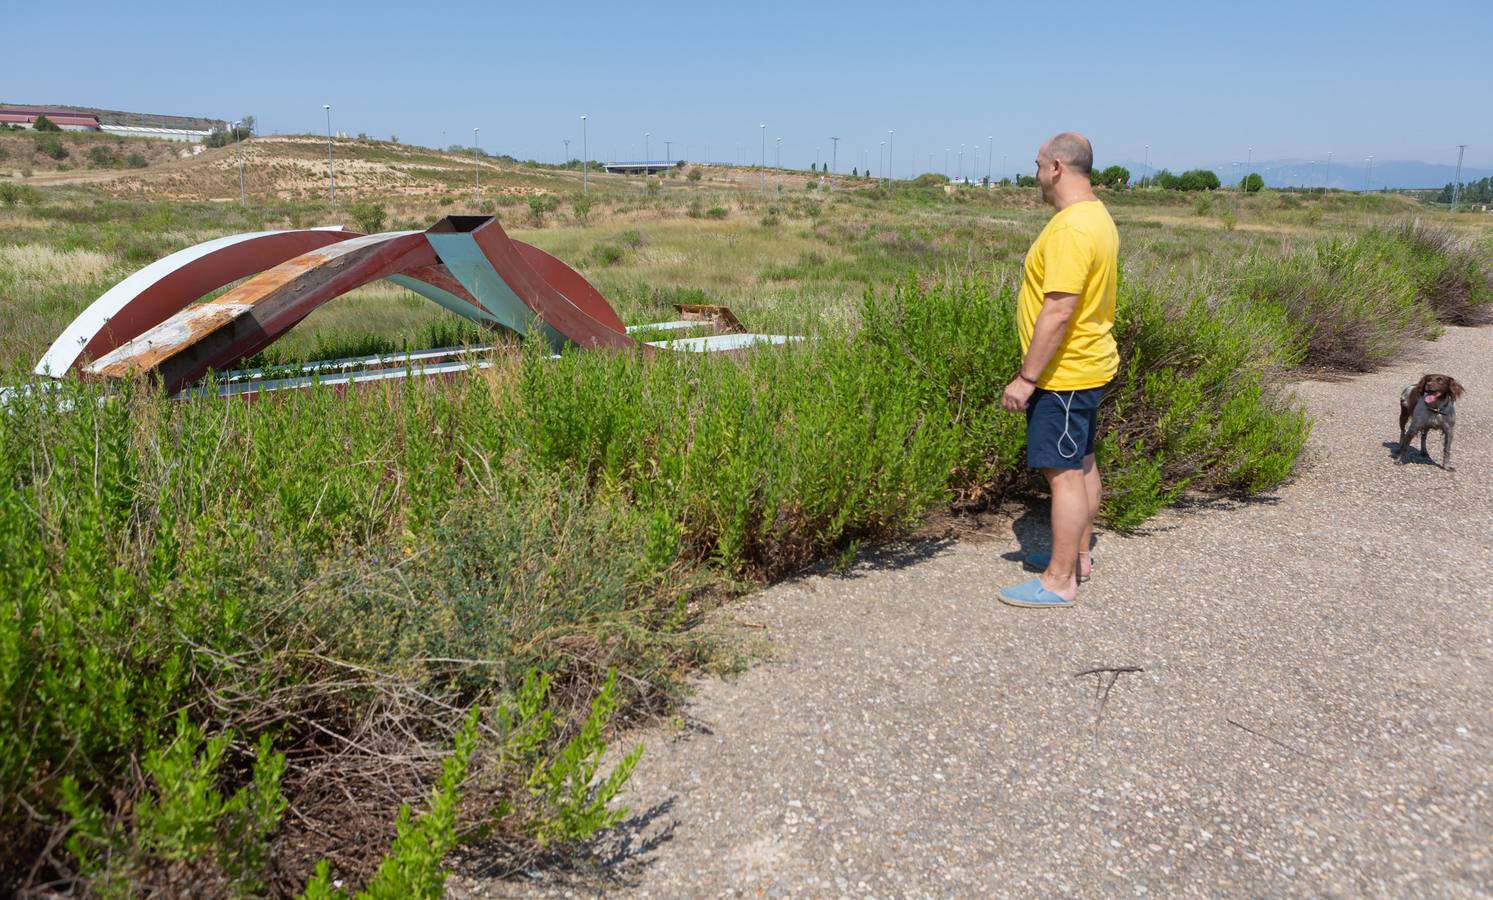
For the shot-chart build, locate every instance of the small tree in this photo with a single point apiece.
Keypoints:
(1112, 177)
(854, 173)
(581, 206)
(368, 215)
(1253, 183)
(43, 123)
(694, 174)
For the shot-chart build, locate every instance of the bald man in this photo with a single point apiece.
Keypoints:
(1065, 318)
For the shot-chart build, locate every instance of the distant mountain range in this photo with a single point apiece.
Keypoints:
(1346, 175)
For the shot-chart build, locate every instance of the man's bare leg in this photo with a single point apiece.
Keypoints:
(1070, 520)
(1094, 489)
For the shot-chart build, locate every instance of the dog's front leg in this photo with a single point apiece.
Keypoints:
(1446, 449)
(1402, 452)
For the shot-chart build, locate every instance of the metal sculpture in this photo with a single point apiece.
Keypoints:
(152, 323)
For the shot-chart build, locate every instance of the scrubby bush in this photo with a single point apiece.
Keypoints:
(368, 215)
(715, 212)
(43, 123)
(135, 160)
(581, 206)
(1252, 183)
(606, 254)
(694, 174)
(51, 146)
(930, 179)
(101, 155)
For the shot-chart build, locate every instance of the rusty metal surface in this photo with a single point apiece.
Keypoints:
(720, 316)
(218, 333)
(155, 293)
(467, 264)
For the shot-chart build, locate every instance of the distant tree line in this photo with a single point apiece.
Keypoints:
(1472, 192)
(1191, 180)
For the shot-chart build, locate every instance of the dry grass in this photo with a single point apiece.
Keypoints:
(38, 265)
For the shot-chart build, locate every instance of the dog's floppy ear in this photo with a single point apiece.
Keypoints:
(1456, 389)
(1416, 391)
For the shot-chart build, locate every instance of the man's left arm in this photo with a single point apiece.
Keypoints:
(1047, 336)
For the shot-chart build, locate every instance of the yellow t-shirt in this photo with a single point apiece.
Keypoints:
(1077, 253)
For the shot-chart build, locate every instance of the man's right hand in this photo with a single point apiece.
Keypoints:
(1018, 394)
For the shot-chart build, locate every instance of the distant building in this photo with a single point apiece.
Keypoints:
(169, 128)
(66, 119)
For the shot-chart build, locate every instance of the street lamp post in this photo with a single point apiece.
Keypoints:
(1327, 176)
(476, 168)
(946, 172)
(834, 162)
(889, 146)
(989, 158)
(777, 163)
(961, 163)
(668, 151)
(646, 136)
(1367, 172)
(763, 129)
(1457, 182)
(881, 159)
(1249, 155)
(1146, 166)
(331, 173)
(238, 155)
(585, 159)
(566, 161)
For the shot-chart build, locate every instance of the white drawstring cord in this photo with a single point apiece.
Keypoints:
(1067, 415)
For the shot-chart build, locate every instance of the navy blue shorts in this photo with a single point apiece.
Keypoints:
(1060, 427)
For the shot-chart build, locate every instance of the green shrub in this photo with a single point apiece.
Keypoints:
(694, 174)
(1252, 183)
(368, 215)
(715, 212)
(185, 818)
(51, 146)
(135, 160)
(570, 803)
(101, 155)
(412, 869)
(43, 123)
(607, 254)
(581, 206)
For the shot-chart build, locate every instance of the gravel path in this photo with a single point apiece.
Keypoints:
(1314, 714)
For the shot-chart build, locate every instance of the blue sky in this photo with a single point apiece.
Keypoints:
(1198, 83)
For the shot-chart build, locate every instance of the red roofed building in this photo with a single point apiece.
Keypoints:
(66, 119)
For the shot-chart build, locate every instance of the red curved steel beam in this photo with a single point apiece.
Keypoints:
(219, 332)
(155, 293)
(570, 283)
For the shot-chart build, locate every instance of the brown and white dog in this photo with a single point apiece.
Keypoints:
(1429, 404)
